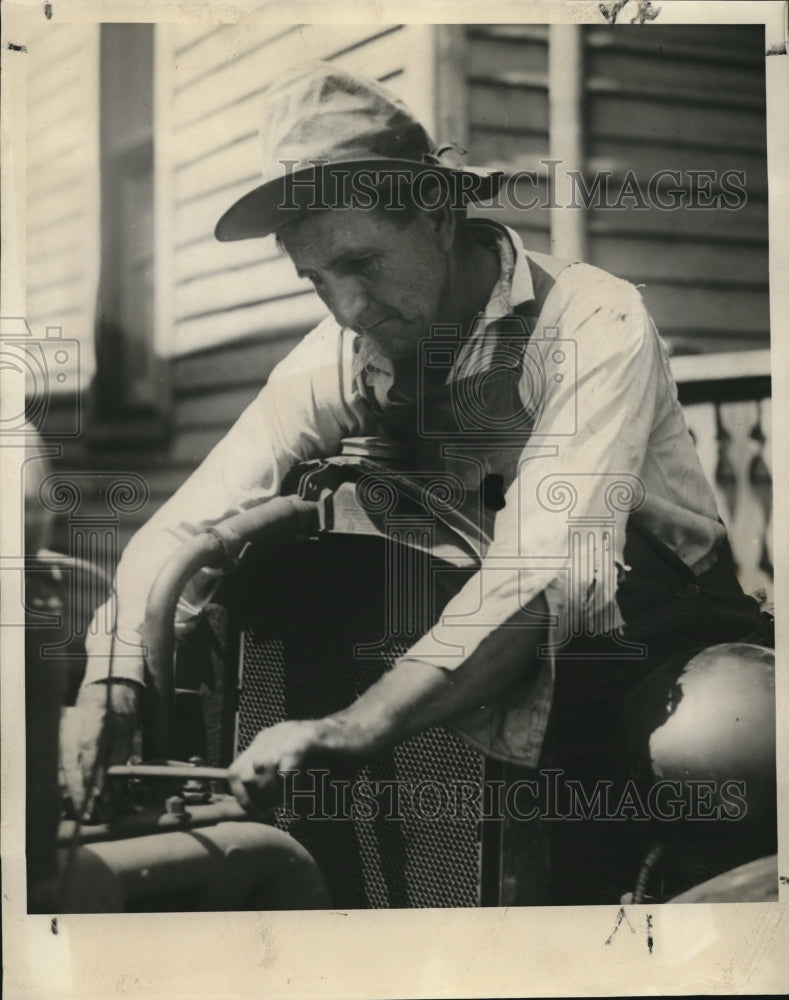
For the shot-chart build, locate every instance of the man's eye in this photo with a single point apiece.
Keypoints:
(362, 265)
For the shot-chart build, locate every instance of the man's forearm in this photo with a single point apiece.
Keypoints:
(110, 656)
(415, 695)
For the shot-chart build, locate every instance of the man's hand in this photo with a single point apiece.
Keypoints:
(289, 746)
(98, 732)
(410, 697)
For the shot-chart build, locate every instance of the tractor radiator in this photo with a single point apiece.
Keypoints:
(309, 629)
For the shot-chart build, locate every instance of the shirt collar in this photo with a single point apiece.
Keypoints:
(514, 285)
(513, 288)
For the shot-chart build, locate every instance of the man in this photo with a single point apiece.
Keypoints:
(574, 420)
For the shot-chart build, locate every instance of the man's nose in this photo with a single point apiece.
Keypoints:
(348, 301)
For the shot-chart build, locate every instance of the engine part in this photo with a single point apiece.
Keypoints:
(754, 882)
(218, 547)
(224, 866)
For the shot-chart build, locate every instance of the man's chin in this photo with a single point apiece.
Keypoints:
(392, 350)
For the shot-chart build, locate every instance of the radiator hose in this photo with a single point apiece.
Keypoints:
(278, 520)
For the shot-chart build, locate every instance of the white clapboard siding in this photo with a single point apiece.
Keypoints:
(274, 317)
(239, 68)
(244, 363)
(190, 36)
(710, 309)
(197, 218)
(233, 160)
(63, 188)
(683, 99)
(693, 262)
(55, 52)
(506, 79)
(615, 112)
(47, 201)
(610, 58)
(747, 227)
(230, 288)
(208, 256)
(222, 408)
(646, 159)
(677, 98)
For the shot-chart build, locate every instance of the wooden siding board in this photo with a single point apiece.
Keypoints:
(227, 77)
(266, 319)
(47, 247)
(229, 52)
(622, 117)
(646, 160)
(704, 343)
(58, 68)
(489, 56)
(197, 220)
(517, 34)
(227, 289)
(746, 226)
(684, 99)
(193, 445)
(646, 260)
(707, 312)
(233, 161)
(47, 207)
(213, 409)
(380, 57)
(532, 221)
(715, 43)
(676, 75)
(243, 364)
(654, 102)
(509, 152)
(209, 256)
(190, 36)
(502, 106)
(59, 221)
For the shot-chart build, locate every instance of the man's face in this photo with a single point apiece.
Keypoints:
(380, 278)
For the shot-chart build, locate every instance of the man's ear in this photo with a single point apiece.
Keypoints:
(445, 226)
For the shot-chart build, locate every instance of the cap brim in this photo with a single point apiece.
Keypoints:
(266, 208)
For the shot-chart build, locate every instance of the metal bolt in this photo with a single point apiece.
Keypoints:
(175, 805)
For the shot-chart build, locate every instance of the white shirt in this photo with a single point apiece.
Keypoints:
(610, 436)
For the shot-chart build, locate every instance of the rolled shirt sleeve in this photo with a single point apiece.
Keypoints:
(306, 408)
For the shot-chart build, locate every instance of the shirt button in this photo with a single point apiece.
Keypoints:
(692, 590)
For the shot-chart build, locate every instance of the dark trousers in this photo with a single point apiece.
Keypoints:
(672, 614)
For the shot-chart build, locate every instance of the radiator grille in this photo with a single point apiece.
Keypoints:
(301, 621)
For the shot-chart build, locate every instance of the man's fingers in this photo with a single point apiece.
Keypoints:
(256, 777)
(97, 732)
(238, 788)
(72, 758)
(256, 792)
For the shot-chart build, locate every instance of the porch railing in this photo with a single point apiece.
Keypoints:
(727, 403)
